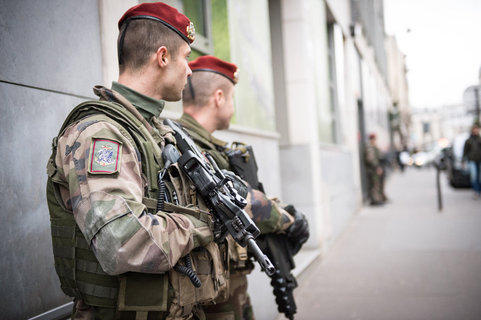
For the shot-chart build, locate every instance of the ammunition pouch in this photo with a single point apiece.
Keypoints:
(240, 262)
(210, 263)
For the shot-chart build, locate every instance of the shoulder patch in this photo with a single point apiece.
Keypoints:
(104, 156)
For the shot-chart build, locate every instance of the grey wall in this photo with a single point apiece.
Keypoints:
(51, 44)
(338, 176)
(49, 57)
(370, 14)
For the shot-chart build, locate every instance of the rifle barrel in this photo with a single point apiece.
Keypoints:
(263, 260)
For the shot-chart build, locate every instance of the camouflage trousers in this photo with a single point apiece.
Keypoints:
(238, 307)
(376, 187)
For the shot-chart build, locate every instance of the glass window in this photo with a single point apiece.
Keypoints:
(199, 12)
(195, 10)
(333, 85)
(251, 52)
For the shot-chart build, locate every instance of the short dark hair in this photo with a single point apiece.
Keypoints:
(142, 38)
(203, 84)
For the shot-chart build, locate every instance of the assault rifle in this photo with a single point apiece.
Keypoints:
(217, 192)
(276, 247)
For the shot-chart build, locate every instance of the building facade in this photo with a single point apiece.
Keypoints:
(313, 83)
(429, 125)
(400, 114)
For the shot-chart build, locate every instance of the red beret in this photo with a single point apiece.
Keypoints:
(216, 65)
(372, 136)
(166, 14)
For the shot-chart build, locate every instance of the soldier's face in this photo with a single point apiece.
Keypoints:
(175, 74)
(226, 111)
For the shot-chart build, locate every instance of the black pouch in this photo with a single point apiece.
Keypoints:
(243, 163)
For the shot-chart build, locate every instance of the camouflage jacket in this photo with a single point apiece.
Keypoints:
(267, 213)
(372, 156)
(103, 184)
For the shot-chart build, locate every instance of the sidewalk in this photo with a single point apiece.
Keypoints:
(404, 260)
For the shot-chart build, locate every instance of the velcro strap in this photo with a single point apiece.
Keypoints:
(97, 291)
(63, 251)
(89, 266)
(170, 207)
(64, 271)
(150, 203)
(85, 254)
(180, 209)
(66, 232)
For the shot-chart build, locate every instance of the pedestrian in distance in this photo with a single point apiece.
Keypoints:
(115, 252)
(375, 172)
(208, 105)
(472, 154)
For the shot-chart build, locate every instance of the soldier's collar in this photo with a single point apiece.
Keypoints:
(147, 106)
(189, 122)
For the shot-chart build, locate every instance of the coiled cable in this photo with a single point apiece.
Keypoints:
(161, 197)
(188, 271)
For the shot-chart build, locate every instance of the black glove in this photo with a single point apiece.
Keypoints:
(298, 232)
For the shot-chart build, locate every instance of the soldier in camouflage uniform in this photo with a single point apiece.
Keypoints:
(375, 172)
(114, 252)
(209, 106)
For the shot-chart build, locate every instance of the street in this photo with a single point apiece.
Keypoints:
(404, 260)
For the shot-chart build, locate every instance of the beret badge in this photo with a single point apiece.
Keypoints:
(236, 75)
(190, 29)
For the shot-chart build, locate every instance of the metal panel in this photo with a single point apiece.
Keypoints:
(50, 56)
(51, 44)
(29, 120)
(58, 313)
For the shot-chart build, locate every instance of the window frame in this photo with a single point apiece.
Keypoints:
(204, 44)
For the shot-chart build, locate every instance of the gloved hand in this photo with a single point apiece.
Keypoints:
(298, 232)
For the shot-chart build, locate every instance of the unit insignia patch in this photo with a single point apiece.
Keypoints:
(104, 156)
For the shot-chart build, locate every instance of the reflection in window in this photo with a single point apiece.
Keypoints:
(199, 12)
(195, 10)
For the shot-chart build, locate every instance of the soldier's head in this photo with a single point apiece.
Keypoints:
(372, 138)
(209, 93)
(475, 129)
(153, 49)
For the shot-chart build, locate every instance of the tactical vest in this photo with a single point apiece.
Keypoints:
(79, 271)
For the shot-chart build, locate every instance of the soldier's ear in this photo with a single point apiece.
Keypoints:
(219, 98)
(162, 56)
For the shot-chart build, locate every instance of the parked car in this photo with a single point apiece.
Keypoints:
(457, 172)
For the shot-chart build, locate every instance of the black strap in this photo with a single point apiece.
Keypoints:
(191, 88)
(121, 42)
